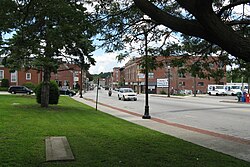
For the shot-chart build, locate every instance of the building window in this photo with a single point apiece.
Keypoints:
(200, 84)
(28, 76)
(1, 74)
(151, 75)
(13, 76)
(181, 83)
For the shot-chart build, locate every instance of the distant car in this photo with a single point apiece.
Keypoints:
(67, 92)
(127, 94)
(19, 89)
(185, 92)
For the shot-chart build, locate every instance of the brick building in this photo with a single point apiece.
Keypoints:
(68, 75)
(20, 77)
(118, 77)
(135, 78)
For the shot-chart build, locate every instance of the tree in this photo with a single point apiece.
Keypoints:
(214, 21)
(210, 20)
(46, 31)
(240, 72)
(84, 66)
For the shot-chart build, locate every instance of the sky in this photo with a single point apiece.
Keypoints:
(105, 62)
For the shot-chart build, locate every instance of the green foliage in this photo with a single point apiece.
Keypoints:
(4, 88)
(152, 63)
(101, 75)
(30, 85)
(217, 74)
(5, 83)
(53, 93)
(89, 76)
(38, 92)
(163, 92)
(59, 24)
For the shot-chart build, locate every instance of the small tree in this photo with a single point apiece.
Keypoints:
(53, 93)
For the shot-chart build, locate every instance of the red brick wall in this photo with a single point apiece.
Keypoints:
(36, 78)
(21, 76)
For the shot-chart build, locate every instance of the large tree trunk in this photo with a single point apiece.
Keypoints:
(45, 89)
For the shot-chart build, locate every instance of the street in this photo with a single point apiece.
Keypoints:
(220, 114)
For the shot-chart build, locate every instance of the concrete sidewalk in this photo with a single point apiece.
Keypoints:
(234, 146)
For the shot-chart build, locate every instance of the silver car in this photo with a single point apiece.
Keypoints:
(127, 94)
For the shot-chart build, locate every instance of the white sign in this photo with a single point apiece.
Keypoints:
(162, 83)
(76, 79)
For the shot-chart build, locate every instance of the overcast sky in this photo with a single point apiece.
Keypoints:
(105, 62)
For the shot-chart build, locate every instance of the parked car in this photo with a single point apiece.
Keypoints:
(67, 92)
(19, 89)
(127, 94)
(185, 92)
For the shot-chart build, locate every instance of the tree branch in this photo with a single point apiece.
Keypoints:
(238, 22)
(189, 27)
(231, 5)
(207, 25)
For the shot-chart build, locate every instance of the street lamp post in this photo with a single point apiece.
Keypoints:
(242, 80)
(168, 81)
(81, 83)
(138, 82)
(146, 113)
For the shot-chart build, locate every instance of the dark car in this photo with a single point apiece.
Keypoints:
(19, 89)
(67, 92)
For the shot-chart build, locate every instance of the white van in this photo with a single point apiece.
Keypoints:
(234, 88)
(216, 90)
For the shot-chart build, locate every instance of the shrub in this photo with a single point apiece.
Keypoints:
(30, 85)
(3, 88)
(163, 92)
(5, 83)
(53, 93)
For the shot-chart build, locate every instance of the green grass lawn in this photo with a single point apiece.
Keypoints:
(96, 139)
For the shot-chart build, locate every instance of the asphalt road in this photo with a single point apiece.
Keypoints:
(221, 114)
